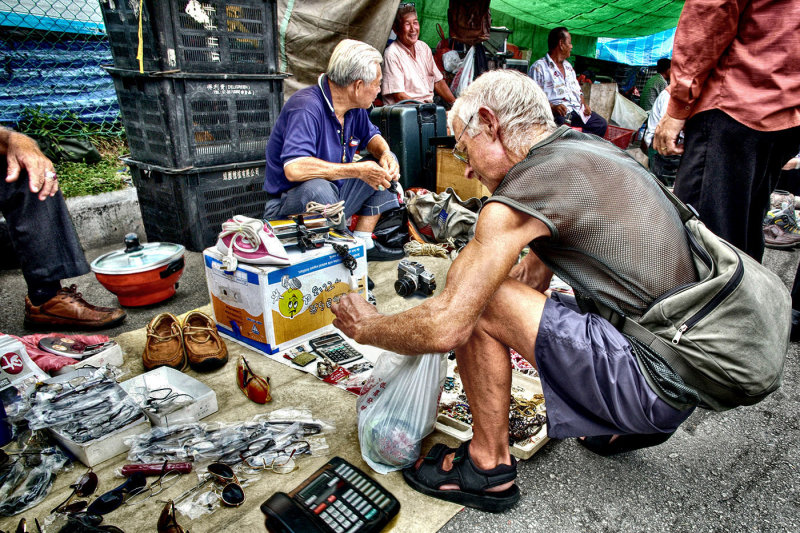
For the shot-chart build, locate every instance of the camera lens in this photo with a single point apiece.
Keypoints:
(405, 286)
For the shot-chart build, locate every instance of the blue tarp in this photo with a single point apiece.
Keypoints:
(57, 77)
(642, 51)
(35, 22)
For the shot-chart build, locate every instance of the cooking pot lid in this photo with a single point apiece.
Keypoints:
(137, 257)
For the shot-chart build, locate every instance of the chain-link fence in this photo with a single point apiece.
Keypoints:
(51, 54)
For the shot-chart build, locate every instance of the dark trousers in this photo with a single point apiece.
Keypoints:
(728, 172)
(42, 233)
(596, 124)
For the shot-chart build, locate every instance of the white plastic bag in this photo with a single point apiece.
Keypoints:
(397, 408)
(626, 114)
(464, 76)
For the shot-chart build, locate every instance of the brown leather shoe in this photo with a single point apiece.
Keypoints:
(204, 347)
(68, 308)
(164, 345)
(776, 237)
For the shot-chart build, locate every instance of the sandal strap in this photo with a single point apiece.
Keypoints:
(474, 479)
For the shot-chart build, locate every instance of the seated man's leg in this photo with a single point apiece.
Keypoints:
(362, 200)
(596, 125)
(48, 249)
(316, 190)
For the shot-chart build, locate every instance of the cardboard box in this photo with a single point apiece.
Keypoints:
(15, 364)
(96, 451)
(173, 382)
(270, 308)
(450, 173)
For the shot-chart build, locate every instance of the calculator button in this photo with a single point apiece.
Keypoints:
(348, 493)
(372, 492)
(371, 513)
(355, 527)
(309, 502)
(319, 508)
(382, 501)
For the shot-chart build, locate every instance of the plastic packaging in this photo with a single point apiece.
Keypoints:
(398, 408)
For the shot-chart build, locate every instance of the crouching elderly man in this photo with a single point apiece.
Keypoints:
(310, 151)
(583, 207)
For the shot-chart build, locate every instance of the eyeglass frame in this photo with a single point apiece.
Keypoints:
(132, 499)
(459, 154)
(226, 482)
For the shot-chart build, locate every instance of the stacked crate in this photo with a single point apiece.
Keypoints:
(199, 114)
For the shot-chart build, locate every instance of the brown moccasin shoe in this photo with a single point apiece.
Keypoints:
(68, 308)
(204, 347)
(776, 237)
(164, 345)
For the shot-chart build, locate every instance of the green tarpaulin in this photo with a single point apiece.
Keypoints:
(531, 20)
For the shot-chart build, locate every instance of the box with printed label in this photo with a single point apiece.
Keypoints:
(269, 308)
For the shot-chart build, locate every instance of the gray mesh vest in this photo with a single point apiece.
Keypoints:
(615, 236)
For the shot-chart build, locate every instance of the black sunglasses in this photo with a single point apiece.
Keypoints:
(232, 493)
(85, 486)
(112, 499)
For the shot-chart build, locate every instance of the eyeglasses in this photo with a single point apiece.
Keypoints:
(280, 463)
(85, 486)
(164, 398)
(458, 154)
(232, 493)
(165, 479)
(114, 498)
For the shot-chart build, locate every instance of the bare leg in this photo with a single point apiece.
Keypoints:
(367, 222)
(511, 319)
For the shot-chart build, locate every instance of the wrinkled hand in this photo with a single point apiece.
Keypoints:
(389, 164)
(665, 138)
(23, 153)
(351, 311)
(561, 109)
(792, 163)
(532, 272)
(587, 111)
(373, 174)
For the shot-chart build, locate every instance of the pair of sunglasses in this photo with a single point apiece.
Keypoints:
(114, 498)
(231, 493)
(252, 385)
(85, 486)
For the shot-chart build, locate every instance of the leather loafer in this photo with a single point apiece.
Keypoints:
(164, 344)
(204, 347)
(68, 308)
(380, 252)
(253, 386)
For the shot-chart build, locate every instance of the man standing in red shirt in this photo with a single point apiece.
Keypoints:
(735, 91)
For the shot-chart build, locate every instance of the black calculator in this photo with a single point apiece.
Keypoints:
(335, 348)
(337, 498)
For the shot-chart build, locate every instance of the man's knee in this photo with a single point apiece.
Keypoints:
(316, 190)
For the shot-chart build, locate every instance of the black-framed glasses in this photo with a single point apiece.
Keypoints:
(85, 486)
(459, 154)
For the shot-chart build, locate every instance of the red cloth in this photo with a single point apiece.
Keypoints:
(741, 57)
(50, 362)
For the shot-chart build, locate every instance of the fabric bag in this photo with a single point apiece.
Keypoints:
(397, 408)
(444, 218)
(726, 335)
(392, 228)
(470, 21)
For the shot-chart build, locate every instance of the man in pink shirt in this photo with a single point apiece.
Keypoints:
(735, 91)
(409, 71)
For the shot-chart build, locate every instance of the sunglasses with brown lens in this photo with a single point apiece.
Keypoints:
(85, 486)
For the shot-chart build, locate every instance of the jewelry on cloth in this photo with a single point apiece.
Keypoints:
(50, 175)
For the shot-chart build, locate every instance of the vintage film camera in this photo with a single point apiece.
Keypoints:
(412, 277)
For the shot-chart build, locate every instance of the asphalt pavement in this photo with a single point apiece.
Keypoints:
(721, 472)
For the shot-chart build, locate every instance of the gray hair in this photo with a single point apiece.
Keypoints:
(521, 107)
(351, 61)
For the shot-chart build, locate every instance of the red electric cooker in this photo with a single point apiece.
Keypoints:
(141, 274)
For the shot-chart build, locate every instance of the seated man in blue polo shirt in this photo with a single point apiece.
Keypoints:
(319, 130)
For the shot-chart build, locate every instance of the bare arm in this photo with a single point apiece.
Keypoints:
(446, 321)
(399, 97)
(442, 89)
(307, 168)
(22, 152)
(379, 148)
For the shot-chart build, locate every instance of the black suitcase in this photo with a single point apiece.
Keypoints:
(408, 127)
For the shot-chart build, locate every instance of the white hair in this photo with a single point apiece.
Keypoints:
(351, 61)
(521, 107)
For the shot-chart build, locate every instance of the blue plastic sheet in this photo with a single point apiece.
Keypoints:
(637, 51)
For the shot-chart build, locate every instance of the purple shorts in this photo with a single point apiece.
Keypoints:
(591, 380)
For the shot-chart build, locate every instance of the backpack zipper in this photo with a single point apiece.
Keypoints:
(729, 287)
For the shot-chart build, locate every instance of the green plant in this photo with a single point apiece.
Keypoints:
(109, 174)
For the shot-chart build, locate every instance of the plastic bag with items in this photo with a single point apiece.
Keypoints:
(397, 408)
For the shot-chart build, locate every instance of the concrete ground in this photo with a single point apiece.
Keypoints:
(733, 471)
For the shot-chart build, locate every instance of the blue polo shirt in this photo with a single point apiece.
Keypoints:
(308, 127)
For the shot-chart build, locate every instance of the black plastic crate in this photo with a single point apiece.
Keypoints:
(189, 206)
(181, 120)
(194, 36)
